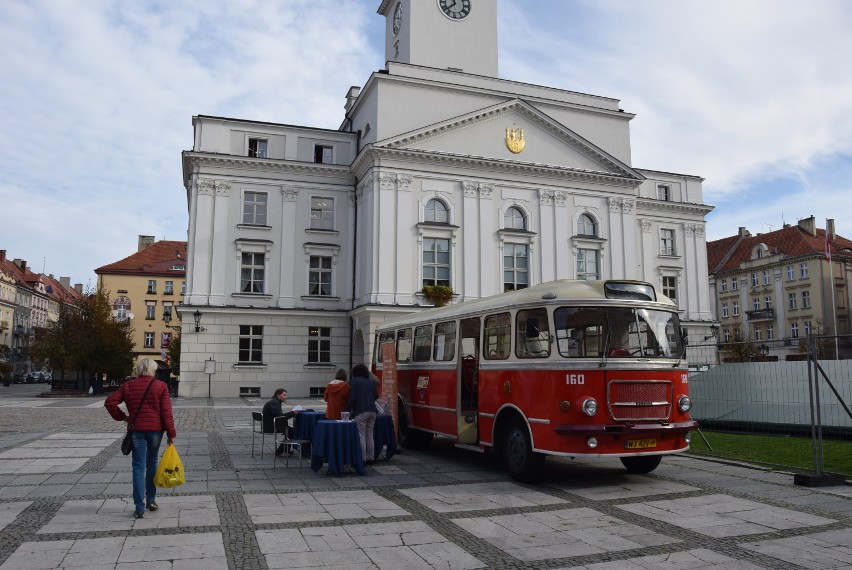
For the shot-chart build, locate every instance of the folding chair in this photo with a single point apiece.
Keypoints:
(257, 427)
(290, 445)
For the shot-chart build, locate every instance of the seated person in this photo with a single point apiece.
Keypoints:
(272, 410)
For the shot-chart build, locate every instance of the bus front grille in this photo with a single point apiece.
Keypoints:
(634, 400)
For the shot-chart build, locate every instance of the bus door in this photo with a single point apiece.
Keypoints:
(468, 387)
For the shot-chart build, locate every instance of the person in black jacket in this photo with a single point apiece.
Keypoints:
(362, 405)
(272, 410)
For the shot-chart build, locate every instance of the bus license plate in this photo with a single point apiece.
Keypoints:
(640, 443)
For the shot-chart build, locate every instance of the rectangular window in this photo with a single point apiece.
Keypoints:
(766, 278)
(322, 213)
(726, 334)
(251, 273)
(794, 330)
(664, 192)
(323, 154)
(791, 273)
(165, 340)
(735, 284)
(667, 242)
(532, 334)
(422, 343)
(736, 308)
(403, 345)
(149, 340)
(755, 304)
(807, 328)
(319, 345)
(183, 287)
(445, 341)
(758, 333)
(251, 344)
(587, 264)
(770, 332)
(754, 279)
(169, 288)
(515, 267)
(767, 303)
(498, 336)
(167, 309)
(257, 147)
(806, 299)
(724, 285)
(152, 286)
(254, 208)
(724, 309)
(803, 270)
(670, 288)
(791, 300)
(436, 261)
(150, 310)
(319, 276)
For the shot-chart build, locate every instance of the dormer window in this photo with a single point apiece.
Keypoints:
(664, 192)
(324, 154)
(257, 147)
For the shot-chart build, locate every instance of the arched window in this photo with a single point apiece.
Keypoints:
(514, 219)
(436, 211)
(586, 226)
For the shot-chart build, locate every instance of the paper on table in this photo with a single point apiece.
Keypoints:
(297, 409)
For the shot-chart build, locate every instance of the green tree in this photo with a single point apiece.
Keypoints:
(825, 347)
(174, 353)
(739, 348)
(56, 345)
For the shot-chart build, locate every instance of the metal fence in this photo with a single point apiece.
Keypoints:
(794, 404)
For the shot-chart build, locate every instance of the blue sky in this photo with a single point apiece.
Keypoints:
(97, 98)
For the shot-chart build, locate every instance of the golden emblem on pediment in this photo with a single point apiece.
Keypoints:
(515, 140)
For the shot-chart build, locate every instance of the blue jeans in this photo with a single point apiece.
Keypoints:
(146, 448)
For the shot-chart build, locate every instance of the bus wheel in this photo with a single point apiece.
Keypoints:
(522, 463)
(412, 438)
(641, 464)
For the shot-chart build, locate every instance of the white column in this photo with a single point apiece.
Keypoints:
(616, 238)
(547, 252)
(287, 244)
(563, 261)
(385, 235)
(626, 250)
(470, 284)
(202, 243)
(218, 267)
(402, 292)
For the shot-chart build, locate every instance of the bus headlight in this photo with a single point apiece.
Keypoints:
(687, 438)
(592, 442)
(590, 406)
(684, 404)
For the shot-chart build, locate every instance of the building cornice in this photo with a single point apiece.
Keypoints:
(371, 154)
(673, 207)
(193, 161)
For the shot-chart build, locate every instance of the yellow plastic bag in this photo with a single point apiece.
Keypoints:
(170, 471)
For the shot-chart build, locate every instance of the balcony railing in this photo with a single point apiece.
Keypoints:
(761, 315)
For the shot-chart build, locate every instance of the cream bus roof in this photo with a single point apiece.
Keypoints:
(556, 291)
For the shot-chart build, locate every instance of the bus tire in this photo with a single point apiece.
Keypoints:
(412, 438)
(522, 463)
(641, 464)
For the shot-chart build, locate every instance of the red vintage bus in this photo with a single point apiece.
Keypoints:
(565, 368)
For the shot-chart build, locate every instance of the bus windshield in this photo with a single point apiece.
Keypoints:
(617, 332)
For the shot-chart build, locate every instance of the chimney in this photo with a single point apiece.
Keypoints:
(744, 232)
(145, 241)
(78, 287)
(808, 225)
(22, 263)
(351, 97)
(65, 282)
(829, 227)
(2, 255)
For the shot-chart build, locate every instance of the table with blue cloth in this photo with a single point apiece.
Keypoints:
(338, 443)
(384, 435)
(305, 424)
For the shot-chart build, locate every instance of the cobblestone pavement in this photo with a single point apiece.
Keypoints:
(65, 502)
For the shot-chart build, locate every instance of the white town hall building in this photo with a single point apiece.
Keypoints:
(302, 240)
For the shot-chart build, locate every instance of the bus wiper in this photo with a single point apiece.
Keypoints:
(606, 348)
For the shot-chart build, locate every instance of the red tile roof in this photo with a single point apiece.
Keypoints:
(728, 253)
(155, 259)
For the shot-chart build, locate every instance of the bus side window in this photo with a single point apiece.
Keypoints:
(498, 336)
(533, 334)
(445, 341)
(422, 343)
(403, 345)
(381, 339)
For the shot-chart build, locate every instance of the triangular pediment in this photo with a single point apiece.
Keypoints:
(484, 133)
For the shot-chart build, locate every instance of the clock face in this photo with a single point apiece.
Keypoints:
(455, 9)
(397, 18)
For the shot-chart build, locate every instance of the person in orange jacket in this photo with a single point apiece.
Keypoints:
(337, 396)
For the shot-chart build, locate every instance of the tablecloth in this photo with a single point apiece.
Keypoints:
(339, 444)
(384, 435)
(305, 424)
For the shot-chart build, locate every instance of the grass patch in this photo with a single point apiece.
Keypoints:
(774, 450)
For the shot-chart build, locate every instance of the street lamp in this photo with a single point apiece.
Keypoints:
(197, 316)
(167, 318)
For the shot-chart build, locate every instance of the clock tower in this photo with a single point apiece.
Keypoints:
(444, 34)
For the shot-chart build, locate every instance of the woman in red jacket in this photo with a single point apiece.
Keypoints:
(154, 417)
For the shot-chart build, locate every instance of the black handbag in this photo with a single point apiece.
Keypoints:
(127, 442)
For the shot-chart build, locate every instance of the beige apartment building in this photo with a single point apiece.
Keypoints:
(776, 288)
(143, 288)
